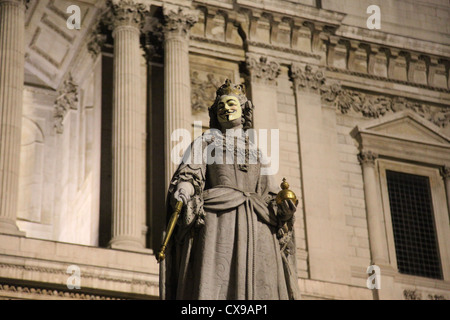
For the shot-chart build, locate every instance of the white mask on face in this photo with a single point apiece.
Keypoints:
(229, 109)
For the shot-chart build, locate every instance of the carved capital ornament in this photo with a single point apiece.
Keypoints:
(445, 172)
(367, 158)
(127, 13)
(262, 69)
(178, 20)
(67, 100)
(308, 78)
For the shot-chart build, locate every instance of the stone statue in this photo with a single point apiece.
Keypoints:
(232, 241)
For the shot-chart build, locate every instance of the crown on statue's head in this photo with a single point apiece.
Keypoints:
(230, 89)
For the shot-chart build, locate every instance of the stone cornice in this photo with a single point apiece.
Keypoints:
(386, 79)
(294, 10)
(306, 35)
(390, 40)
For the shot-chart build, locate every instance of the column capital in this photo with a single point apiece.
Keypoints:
(262, 69)
(126, 13)
(445, 172)
(312, 79)
(367, 158)
(178, 20)
(306, 76)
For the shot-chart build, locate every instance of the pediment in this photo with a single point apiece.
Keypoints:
(405, 125)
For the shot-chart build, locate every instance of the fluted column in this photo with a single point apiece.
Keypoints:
(128, 202)
(177, 82)
(377, 235)
(12, 60)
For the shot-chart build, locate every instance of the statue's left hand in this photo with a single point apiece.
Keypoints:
(288, 210)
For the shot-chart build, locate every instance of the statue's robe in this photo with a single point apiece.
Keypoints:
(225, 245)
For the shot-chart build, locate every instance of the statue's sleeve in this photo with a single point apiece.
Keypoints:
(192, 169)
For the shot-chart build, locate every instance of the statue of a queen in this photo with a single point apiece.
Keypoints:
(232, 240)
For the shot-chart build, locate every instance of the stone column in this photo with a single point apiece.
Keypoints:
(377, 235)
(12, 60)
(445, 173)
(128, 155)
(263, 86)
(323, 199)
(177, 82)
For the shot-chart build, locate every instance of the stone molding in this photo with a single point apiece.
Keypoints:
(410, 294)
(388, 64)
(14, 291)
(63, 272)
(67, 100)
(385, 79)
(262, 69)
(307, 37)
(283, 49)
(377, 105)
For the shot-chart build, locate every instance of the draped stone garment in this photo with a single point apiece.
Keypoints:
(226, 244)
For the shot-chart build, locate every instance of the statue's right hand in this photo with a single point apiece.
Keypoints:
(184, 192)
(182, 195)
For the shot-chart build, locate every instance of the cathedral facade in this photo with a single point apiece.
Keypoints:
(92, 92)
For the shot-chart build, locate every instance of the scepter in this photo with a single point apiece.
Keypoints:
(170, 227)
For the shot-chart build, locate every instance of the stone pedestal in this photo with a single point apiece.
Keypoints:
(12, 60)
(128, 202)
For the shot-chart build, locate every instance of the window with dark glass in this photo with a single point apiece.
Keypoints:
(413, 224)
